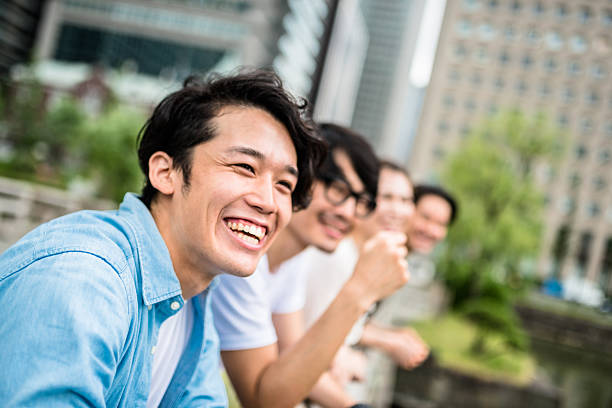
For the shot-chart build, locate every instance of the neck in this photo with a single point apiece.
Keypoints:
(193, 275)
(285, 246)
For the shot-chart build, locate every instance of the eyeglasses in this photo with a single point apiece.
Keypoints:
(337, 191)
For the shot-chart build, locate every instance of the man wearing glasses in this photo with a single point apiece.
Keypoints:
(268, 357)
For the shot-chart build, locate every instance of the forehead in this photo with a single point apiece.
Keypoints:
(434, 207)
(251, 126)
(343, 161)
(395, 182)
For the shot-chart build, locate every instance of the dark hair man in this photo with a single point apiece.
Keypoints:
(269, 358)
(435, 211)
(92, 299)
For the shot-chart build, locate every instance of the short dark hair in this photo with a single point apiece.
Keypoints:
(423, 190)
(359, 151)
(391, 165)
(182, 120)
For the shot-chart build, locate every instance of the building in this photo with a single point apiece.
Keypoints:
(386, 100)
(19, 21)
(148, 47)
(539, 55)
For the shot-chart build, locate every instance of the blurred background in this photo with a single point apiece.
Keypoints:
(507, 103)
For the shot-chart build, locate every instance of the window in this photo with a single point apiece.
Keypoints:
(560, 247)
(460, 51)
(476, 79)
(527, 61)
(454, 75)
(604, 157)
(586, 125)
(598, 70)
(499, 83)
(592, 97)
(599, 183)
(470, 105)
(574, 180)
(608, 128)
(443, 126)
(593, 209)
(567, 205)
(515, 7)
(554, 40)
(487, 32)
(464, 131)
(533, 36)
(550, 65)
(580, 151)
(521, 86)
(585, 14)
(561, 11)
(544, 90)
(464, 27)
(504, 58)
(449, 101)
(584, 249)
(509, 33)
(471, 5)
(493, 5)
(482, 56)
(493, 109)
(573, 68)
(607, 17)
(568, 95)
(538, 8)
(578, 43)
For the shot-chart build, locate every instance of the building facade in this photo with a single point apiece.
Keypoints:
(539, 56)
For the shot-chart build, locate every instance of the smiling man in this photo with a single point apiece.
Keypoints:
(112, 308)
(269, 358)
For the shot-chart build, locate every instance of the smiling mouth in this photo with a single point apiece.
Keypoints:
(247, 231)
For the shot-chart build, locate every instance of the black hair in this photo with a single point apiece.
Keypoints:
(182, 120)
(423, 190)
(388, 164)
(359, 151)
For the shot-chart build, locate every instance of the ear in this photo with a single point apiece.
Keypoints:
(161, 173)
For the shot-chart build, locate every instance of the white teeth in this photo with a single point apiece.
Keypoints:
(258, 232)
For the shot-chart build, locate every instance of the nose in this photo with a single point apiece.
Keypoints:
(347, 208)
(262, 197)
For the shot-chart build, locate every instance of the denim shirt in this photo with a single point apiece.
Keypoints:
(82, 299)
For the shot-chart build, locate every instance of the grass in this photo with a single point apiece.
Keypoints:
(450, 338)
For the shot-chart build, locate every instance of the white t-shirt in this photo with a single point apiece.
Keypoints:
(172, 340)
(243, 307)
(327, 274)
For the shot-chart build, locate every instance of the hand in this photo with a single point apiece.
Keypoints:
(406, 347)
(348, 365)
(382, 268)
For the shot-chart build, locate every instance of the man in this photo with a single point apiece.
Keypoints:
(328, 272)
(269, 359)
(87, 299)
(435, 211)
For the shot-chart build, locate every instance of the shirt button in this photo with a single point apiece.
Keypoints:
(153, 350)
(175, 305)
(149, 307)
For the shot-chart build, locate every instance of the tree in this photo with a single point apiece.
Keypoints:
(499, 227)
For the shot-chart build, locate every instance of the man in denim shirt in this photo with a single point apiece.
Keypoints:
(89, 299)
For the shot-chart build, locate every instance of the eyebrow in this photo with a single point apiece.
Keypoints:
(259, 156)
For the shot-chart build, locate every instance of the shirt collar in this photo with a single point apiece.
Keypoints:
(159, 281)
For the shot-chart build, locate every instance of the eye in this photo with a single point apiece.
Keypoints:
(287, 185)
(245, 166)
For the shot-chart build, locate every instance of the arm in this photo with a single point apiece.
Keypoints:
(65, 318)
(263, 380)
(327, 391)
(404, 345)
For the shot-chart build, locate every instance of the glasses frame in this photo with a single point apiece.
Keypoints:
(366, 201)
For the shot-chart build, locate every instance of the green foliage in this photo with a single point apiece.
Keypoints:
(499, 225)
(57, 143)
